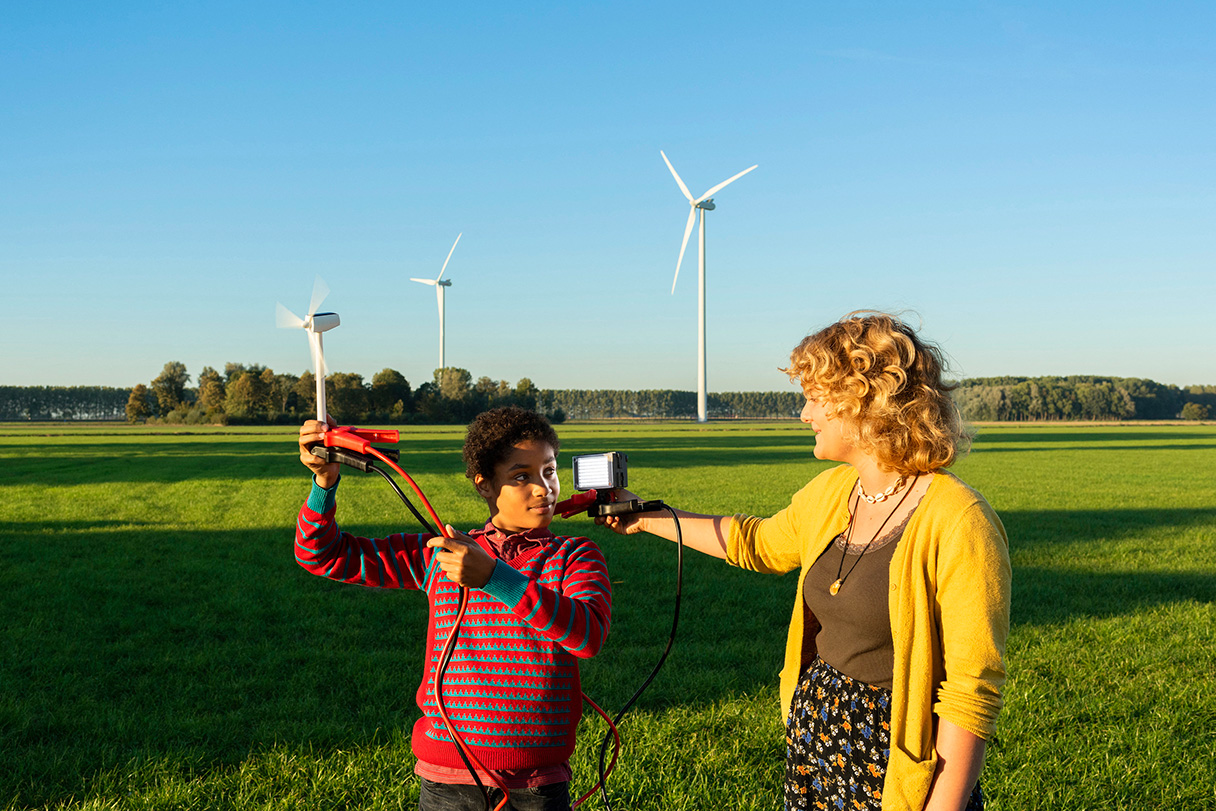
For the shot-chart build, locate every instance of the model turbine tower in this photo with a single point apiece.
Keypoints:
(439, 286)
(316, 323)
(703, 203)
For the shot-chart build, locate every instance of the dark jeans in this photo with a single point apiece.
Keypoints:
(447, 797)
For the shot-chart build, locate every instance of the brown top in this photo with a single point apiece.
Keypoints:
(855, 633)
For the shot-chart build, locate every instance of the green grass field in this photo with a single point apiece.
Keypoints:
(160, 648)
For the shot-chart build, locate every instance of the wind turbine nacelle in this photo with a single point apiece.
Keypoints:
(323, 322)
(445, 283)
(708, 205)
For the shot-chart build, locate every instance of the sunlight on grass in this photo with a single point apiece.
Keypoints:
(160, 648)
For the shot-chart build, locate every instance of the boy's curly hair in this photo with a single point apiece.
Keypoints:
(873, 372)
(492, 434)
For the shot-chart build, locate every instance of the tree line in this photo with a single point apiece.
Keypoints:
(255, 394)
(1080, 397)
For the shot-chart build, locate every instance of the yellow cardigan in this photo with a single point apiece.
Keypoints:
(949, 608)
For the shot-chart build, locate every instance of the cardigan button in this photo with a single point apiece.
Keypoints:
(894, 587)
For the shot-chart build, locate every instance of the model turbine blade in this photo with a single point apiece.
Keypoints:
(692, 216)
(683, 188)
(319, 291)
(724, 184)
(445, 261)
(284, 317)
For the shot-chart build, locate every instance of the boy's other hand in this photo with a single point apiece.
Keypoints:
(463, 561)
(312, 433)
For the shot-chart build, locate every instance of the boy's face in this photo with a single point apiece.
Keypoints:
(524, 488)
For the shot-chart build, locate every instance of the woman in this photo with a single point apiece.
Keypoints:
(894, 658)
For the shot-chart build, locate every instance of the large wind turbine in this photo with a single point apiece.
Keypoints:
(704, 203)
(439, 285)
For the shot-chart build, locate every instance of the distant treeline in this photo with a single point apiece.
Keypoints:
(607, 404)
(1080, 397)
(253, 394)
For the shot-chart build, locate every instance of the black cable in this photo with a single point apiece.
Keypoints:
(671, 639)
(426, 524)
(444, 660)
(449, 646)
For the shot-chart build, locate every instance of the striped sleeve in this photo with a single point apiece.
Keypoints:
(575, 611)
(395, 562)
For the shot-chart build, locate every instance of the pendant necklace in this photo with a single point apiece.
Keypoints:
(835, 587)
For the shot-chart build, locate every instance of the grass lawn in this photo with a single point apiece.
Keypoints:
(160, 648)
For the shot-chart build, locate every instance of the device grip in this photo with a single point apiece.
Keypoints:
(630, 507)
(575, 504)
(343, 457)
(378, 435)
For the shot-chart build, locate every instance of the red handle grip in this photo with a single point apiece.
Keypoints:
(575, 504)
(356, 439)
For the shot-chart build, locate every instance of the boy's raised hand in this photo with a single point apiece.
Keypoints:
(463, 561)
(312, 433)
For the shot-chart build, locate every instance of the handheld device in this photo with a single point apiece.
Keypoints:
(599, 476)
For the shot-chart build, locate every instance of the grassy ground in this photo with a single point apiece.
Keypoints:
(159, 648)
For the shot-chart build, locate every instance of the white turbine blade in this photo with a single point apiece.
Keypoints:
(724, 184)
(445, 261)
(425, 281)
(683, 188)
(319, 291)
(439, 302)
(284, 317)
(692, 216)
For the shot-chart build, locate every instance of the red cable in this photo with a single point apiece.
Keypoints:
(451, 640)
(615, 750)
(450, 643)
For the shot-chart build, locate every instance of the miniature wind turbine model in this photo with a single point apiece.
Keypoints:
(439, 285)
(704, 203)
(315, 324)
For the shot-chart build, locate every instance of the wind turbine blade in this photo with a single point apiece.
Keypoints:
(692, 216)
(319, 291)
(445, 261)
(425, 281)
(683, 188)
(724, 184)
(284, 317)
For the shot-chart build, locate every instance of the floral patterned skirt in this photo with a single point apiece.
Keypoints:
(838, 742)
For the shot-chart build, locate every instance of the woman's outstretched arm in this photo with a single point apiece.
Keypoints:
(704, 533)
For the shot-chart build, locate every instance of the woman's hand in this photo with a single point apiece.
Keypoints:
(463, 561)
(622, 524)
(704, 533)
(312, 433)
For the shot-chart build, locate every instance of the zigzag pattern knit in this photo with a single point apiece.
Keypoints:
(512, 687)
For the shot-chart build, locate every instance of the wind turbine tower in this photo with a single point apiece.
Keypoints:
(439, 286)
(703, 203)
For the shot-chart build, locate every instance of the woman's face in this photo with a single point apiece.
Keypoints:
(830, 443)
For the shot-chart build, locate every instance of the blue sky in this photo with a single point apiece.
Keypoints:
(1036, 183)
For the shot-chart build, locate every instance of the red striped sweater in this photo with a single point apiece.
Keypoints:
(512, 687)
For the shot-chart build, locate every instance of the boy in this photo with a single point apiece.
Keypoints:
(537, 603)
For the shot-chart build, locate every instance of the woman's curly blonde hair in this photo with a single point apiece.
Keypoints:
(875, 374)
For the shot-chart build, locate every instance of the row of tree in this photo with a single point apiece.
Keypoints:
(256, 394)
(1080, 398)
